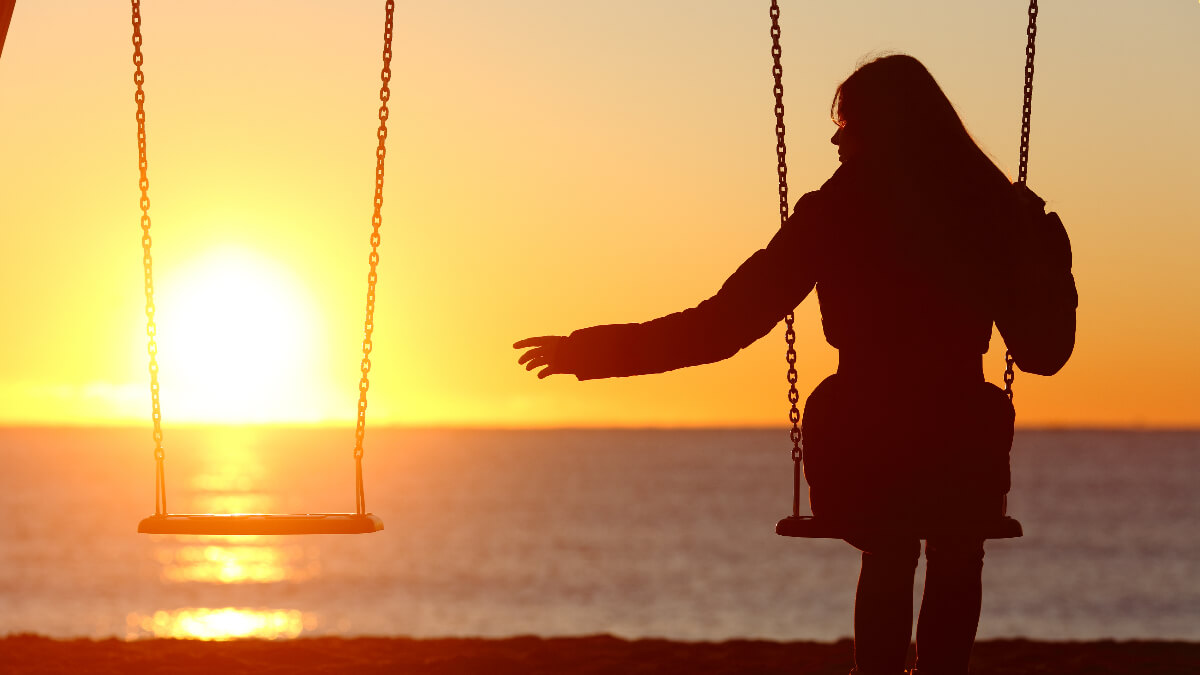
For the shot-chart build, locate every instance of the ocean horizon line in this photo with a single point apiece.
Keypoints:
(665, 427)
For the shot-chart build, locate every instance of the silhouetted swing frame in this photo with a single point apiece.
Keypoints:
(164, 522)
(1002, 526)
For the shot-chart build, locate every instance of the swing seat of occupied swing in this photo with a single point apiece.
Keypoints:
(809, 527)
(261, 523)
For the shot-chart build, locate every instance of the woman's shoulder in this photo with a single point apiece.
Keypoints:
(857, 178)
(852, 185)
(846, 177)
(819, 214)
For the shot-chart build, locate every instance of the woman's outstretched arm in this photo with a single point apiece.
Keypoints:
(749, 304)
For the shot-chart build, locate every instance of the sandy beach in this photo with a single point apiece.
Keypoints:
(533, 655)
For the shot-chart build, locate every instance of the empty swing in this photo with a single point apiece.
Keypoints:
(997, 526)
(165, 522)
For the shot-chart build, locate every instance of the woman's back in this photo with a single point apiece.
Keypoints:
(907, 275)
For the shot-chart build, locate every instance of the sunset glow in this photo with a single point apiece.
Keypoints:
(498, 337)
(550, 166)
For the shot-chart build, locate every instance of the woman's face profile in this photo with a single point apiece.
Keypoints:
(847, 142)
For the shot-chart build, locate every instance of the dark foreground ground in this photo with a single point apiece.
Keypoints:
(560, 656)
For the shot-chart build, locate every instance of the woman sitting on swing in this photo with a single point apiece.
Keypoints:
(904, 244)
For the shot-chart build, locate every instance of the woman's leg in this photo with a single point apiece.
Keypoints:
(883, 611)
(950, 606)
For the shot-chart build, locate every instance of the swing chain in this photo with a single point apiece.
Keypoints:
(781, 170)
(364, 383)
(1027, 108)
(1023, 164)
(780, 127)
(139, 78)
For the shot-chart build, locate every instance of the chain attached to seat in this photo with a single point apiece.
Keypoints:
(1023, 164)
(790, 319)
(364, 383)
(139, 78)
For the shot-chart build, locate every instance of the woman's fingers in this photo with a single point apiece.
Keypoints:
(539, 341)
(539, 360)
(540, 355)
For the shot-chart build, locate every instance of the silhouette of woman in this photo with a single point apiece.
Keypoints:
(904, 246)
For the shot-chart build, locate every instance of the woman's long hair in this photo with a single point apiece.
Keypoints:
(896, 107)
(959, 205)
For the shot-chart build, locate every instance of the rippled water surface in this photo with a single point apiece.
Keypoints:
(636, 533)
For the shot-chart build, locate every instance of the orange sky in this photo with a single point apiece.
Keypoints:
(530, 141)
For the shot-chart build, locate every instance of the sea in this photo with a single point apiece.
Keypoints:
(636, 533)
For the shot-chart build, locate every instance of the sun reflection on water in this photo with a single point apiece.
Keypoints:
(226, 623)
(230, 477)
(236, 564)
(238, 502)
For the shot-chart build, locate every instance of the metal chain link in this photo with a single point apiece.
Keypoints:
(789, 320)
(1027, 108)
(781, 171)
(364, 383)
(1023, 164)
(139, 78)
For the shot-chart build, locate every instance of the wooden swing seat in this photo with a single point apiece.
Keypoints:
(808, 527)
(261, 523)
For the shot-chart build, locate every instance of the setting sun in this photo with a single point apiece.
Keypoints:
(236, 333)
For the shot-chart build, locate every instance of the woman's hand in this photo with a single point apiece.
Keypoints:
(542, 352)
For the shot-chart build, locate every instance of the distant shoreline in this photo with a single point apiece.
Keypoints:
(28, 653)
